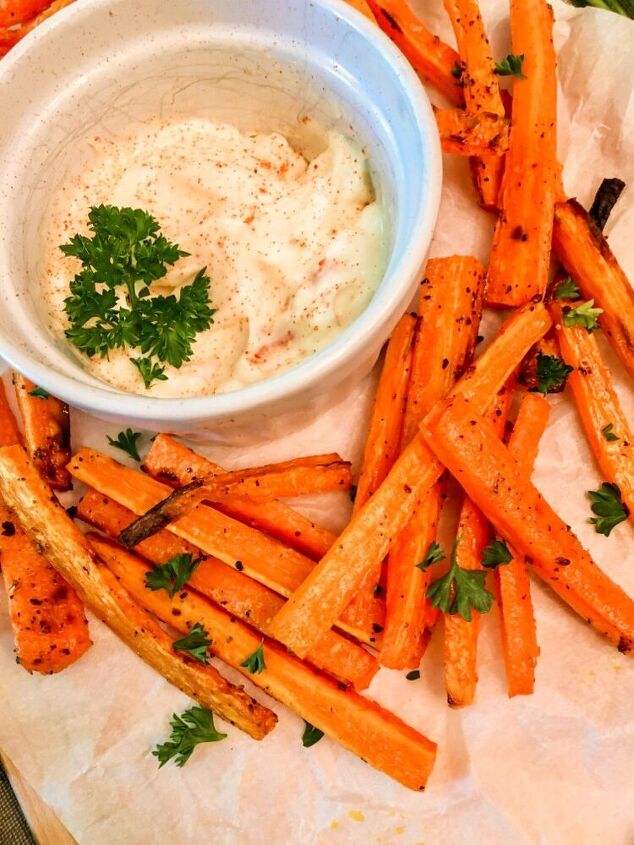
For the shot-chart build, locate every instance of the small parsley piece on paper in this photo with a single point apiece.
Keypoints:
(191, 728)
(496, 554)
(552, 373)
(609, 508)
(255, 663)
(172, 575)
(584, 315)
(311, 735)
(567, 289)
(608, 433)
(461, 590)
(414, 675)
(433, 554)
(127, 442)
(196, 643)
(510, 66)
(39, 393)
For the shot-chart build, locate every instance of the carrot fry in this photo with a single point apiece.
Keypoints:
(461, 636)
(519, 634)
(236, 592)
(46, 432)
(317, 474)
(14, 12)
(605, 424)
(10, 37)
(481, 93)
(430, 57)
(47, 524)
(520, 255)
(585, 254)
(9, 434)
(358, 724)
(497, 484)
(381, 450)
(362, 6)
(175, 464)
(276, 566)
(328, 589)
(450, 307)
(465, 133)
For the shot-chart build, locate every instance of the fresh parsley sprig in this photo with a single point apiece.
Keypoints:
(567, 289)
(608, 433)
(255, 663)
(39, 393)
(172, 575)
(510, 66)
(191, 728)
(196, 643)
(127, 442)
(621, 7)
(111, 305)
(311, 735)
(584, 315)
(460, 590)
(434, 554)
(551, 373)
(496, 554)
(609, 508)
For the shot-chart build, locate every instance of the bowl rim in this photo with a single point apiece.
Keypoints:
(306, 373)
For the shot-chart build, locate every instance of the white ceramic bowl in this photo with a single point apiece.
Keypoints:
(261, 65)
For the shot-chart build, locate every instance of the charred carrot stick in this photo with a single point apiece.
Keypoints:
(175, 464)
(484, 134)
(518, 628)
(585, 254)
(358, 724)
(46, 431)
(468, 446)
(604, 422)
(48, 525)
(481, 92)
(461, 635)
(520, 256)
(433, 60)
(450, 305)
(381, 450)
(369, 536)
(276, 566)
(316, 474)
(9, 37)
(238, 594)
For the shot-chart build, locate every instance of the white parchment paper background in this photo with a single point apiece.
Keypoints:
(556, 768)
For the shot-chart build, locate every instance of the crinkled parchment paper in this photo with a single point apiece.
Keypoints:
(554, 768)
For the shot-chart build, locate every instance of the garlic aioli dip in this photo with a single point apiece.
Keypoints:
(294, 250)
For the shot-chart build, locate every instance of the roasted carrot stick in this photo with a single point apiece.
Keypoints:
(465, 133)
(430, 57)
(468, 446)
(519, 634)
(10, 37)
(381, 450)
(278, 567)
(481, 93)
(605, 424)
(9, 434)
(520, 256)
(173, 463)
(234, 591)
(47, 524)
(14, 12)
(585, 254)
(327, 590)
(360, 725)
(46, 432)
(316, 474)
(450, 305)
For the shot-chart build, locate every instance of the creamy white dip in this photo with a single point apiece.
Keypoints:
(294, 249)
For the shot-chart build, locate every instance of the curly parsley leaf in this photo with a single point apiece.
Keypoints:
(460, 590)
(191, 728)
(621, 7)
(39, 393)
(510, 66)
(496, 554)
(255, 663)
(551, 372)
(172, 575)
(112, 305)
(609, 508)
(584, 315)
(608, 433)
(433, 554)
(126, 441)
(567, 289)
(311, 735)
(196, 643)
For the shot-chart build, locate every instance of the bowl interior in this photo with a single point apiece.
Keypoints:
(290, 66)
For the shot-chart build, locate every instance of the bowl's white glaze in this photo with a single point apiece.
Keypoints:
(260, 64)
